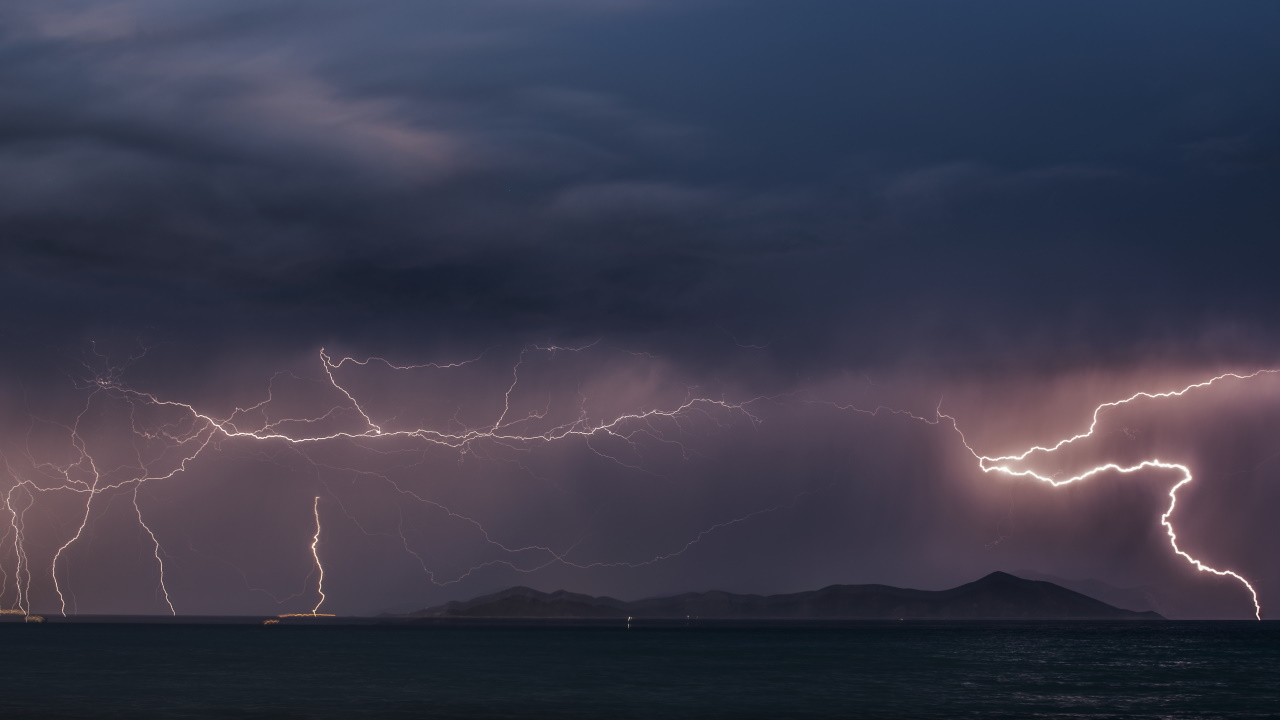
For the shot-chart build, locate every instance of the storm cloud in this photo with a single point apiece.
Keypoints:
(1023, 209)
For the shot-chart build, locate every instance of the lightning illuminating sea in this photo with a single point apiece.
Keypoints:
(1131, 669)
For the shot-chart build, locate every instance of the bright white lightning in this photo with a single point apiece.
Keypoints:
(315, 554)
(1003, 465)
(187, 438)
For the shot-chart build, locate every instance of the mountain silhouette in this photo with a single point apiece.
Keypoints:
(998, 595)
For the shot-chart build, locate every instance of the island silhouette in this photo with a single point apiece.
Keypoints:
(995, 596)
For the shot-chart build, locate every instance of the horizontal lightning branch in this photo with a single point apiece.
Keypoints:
(169, 436)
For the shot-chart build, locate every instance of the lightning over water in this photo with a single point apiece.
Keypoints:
(343, 343)
(1009, 465)
(367, 433)
(379, 306)
(168, 437)
(315, 553)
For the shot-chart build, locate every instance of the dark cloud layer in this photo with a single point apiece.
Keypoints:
(915, 195)
(912, 175)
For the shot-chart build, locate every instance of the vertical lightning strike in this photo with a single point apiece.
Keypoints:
(4, 574)
(53, 569)
(315, 541)
(17, 523)
(155, 545)
(88, 507)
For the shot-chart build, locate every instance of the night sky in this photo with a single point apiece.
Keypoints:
(677, 247)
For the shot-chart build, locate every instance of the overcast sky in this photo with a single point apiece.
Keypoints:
(1021, 209)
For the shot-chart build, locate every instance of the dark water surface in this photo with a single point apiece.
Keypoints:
(912, 669)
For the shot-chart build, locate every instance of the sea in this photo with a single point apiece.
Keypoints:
(609, 669)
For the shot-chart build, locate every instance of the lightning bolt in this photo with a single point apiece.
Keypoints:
(155, 544)
(1004, 464)
(22, 590)
(315, 554)
(170, 436)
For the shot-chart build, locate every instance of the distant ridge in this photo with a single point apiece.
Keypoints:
(996, 596)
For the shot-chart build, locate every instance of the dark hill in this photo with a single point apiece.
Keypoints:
(523, 602)
(998, 595)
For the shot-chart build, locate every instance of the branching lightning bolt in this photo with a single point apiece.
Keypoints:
(170, 435)
(180, 434)
(1004, 465)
